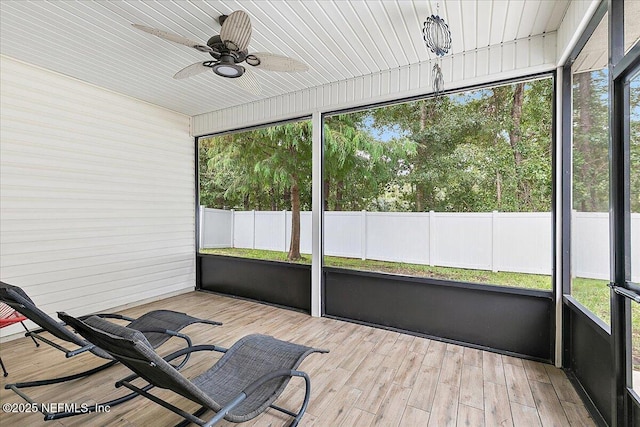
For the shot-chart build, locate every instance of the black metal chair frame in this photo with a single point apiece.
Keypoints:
(17, 299)
(194, 417)
(140, 359)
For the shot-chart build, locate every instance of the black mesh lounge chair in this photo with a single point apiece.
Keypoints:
(158, 326)
(241, 385)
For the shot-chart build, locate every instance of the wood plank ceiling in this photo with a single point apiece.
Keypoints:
(339, 39)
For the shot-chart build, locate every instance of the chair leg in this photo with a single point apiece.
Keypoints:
(32, 338)
(48, 416)
(305, 403)
(62, 379)
(4, 370)
(198, 414)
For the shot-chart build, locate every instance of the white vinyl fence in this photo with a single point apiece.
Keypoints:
(495, 241)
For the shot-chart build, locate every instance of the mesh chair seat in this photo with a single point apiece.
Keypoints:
(238, 387)
(156, 326)
(162, 319)
(17, 299)
(248, 360)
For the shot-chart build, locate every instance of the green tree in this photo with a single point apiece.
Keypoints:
(517, 133)
(590, 141)
(227, 178)
(288, 164)
(357, 166)
(480, 150)
(475, 151)
(268, 167)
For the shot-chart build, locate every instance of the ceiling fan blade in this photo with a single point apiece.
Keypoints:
(248, 82)
(273, 62)
(192, 70)
(173, 37)
(236, 31)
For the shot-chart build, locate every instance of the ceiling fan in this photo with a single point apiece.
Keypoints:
(229, 50)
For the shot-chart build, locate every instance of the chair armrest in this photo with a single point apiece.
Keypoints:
(189, 350)
(210, 322)
(251, 388)
(167, 332)
(75, 352)
(109, 316)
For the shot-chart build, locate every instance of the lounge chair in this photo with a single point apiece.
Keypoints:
(241, 385)
(158, 326)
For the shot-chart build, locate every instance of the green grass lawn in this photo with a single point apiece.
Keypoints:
(589, 289)
(593, 294)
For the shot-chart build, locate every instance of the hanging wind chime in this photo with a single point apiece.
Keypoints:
(437, 37)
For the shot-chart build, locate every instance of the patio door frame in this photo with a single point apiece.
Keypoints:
(586, 338)
(624, 292)
(622, 69)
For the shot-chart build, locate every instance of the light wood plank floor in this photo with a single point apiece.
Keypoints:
(370, 377)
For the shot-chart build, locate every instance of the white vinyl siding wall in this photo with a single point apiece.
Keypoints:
(493, 63)
(96, 194)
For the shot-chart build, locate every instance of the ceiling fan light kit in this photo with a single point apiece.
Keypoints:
(229, 49)
(231, 71)
(227, 67)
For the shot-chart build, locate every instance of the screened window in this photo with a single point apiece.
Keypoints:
(455, 188)
(634, 178)
(634, 188)
(590, 183)
(255, 193)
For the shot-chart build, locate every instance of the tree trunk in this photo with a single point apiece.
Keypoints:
(420, 196)
(582, 144)
(339, 192)
(499, 190)
(274, 202)
(246, 203)
(286, 196)
(294, 246)
(515, 136)
(326, 187)
(516, 118)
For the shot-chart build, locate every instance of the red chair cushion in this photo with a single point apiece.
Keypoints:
(8, 316)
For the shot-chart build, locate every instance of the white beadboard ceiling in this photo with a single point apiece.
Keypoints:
(339, 39)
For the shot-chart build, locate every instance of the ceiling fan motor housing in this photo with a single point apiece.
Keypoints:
(220, 48)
